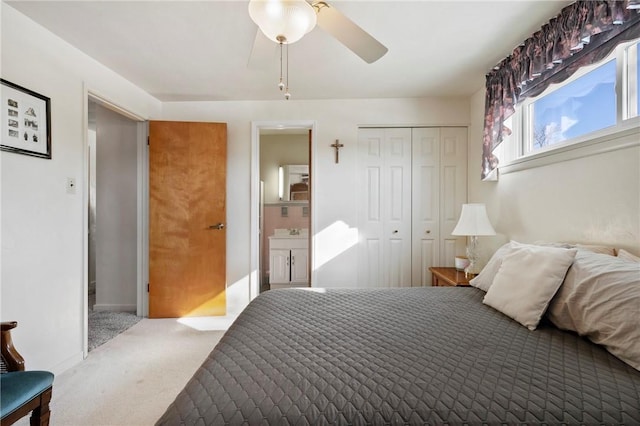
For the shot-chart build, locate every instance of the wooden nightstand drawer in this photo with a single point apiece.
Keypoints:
(451, 277)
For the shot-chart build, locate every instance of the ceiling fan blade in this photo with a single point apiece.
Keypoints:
(262, 52)
(348, 33)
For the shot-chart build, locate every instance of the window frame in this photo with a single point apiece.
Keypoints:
(514, 152)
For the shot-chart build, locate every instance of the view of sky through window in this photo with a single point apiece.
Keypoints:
(580, 107)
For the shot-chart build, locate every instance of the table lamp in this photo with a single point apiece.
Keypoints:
(473, 222)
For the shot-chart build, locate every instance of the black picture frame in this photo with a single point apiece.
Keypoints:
(26, 121)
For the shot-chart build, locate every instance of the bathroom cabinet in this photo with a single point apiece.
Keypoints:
(288, 262)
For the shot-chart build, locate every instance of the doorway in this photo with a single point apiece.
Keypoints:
(113, 228)
(282, 202)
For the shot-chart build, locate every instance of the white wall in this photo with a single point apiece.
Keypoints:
(594, 199)
(116, 212)
(42, 227)
(335, 207)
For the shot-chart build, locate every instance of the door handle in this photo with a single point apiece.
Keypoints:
(217, 226)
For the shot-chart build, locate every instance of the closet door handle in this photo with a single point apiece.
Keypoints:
(217, 226)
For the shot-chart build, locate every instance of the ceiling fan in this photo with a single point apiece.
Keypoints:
(286, 21)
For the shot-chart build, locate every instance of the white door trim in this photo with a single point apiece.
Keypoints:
(143, 202)
(256, 126)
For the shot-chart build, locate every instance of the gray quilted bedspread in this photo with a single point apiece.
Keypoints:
(401, 356)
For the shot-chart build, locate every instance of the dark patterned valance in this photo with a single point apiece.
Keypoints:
(582, 34)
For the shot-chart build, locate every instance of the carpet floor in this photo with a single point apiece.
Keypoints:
(105, 325)
(131, 379)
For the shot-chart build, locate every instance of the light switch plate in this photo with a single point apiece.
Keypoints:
(71, 185)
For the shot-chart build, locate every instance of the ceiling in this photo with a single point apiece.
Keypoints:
(191, 51)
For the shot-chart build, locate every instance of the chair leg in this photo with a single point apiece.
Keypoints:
(41, 414)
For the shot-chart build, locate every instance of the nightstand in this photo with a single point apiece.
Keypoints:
(448, 277)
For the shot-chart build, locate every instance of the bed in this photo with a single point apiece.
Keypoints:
(433, 355)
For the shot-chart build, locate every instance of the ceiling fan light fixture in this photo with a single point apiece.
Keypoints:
(290, 19)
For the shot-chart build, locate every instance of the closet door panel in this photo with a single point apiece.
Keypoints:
(450, 186)
(428, 255)
(370, 213)
(396, 194)
(453, 194)
(396, 198)
(372, 272)
(448, 251)
(373, 195)
(384, 211)
(396, 264)
(426, 204)
(372, 230)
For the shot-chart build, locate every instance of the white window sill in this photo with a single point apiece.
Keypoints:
(621, 138)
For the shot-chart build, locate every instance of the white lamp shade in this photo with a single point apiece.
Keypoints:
(473, 221)
(291, 19)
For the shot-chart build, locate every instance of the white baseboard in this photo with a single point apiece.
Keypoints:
(115, 308)
(67, 364)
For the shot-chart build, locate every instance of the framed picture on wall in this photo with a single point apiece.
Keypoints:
(26, 121)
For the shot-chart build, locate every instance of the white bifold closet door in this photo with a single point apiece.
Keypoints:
(413, 183)
(384, 208)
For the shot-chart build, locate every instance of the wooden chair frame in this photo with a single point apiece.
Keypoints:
(39, 405)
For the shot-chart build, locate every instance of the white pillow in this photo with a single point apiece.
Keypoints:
(597, 249)
(590, 247)
(600, 299)
(625, 255)
(527, 280)
(485, 278)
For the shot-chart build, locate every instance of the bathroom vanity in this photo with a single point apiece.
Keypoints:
(289, 258)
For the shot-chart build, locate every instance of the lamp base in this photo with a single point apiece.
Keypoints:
(469, 274)
(472, 255)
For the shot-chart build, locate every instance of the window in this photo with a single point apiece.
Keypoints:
(598, 100)
(580, 107)
(633, 58)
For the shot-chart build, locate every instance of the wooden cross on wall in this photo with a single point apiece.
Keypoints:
(337, 145)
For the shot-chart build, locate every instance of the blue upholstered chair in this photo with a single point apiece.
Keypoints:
(21, 392)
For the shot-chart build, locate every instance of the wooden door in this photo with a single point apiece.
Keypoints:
(187, 213)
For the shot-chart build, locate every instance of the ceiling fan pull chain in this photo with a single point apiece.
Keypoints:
(287, 95)
(281, 84)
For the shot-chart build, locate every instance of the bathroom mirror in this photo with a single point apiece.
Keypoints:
(284, 161)
(293, 182)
